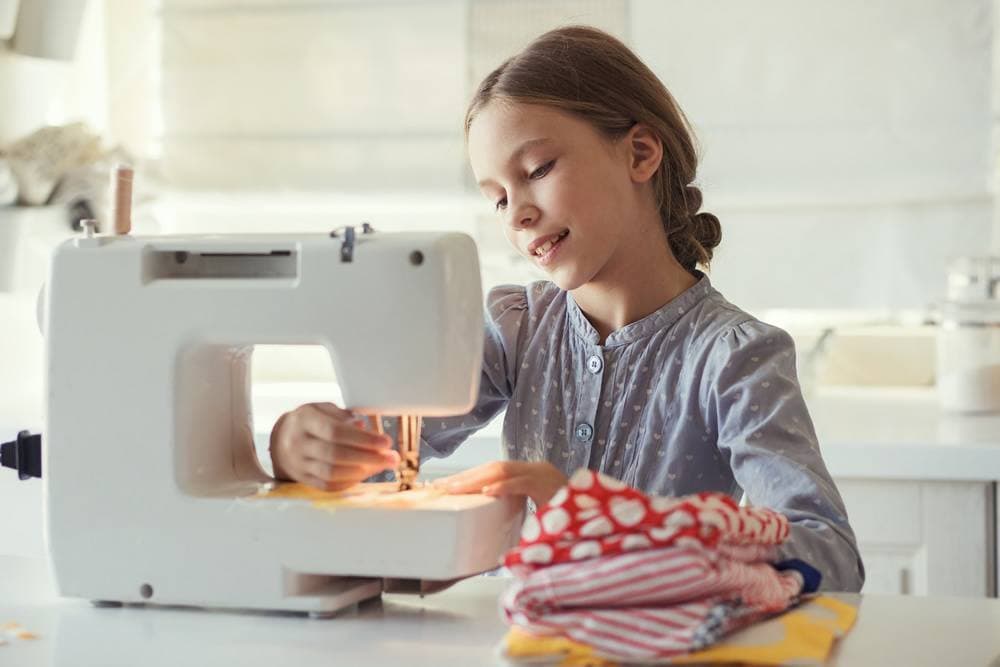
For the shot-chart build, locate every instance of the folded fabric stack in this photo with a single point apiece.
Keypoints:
(644, 579)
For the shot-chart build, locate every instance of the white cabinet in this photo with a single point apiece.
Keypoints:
(924, 537)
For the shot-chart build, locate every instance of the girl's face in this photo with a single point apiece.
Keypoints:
(561, 189)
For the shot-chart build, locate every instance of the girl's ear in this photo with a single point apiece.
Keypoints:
(645, 152)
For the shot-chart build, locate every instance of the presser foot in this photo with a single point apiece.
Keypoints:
(409, 451)
(407, 477)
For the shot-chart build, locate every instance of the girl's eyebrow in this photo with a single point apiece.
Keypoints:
(518, 152)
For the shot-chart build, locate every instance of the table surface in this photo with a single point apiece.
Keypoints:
(459, 627)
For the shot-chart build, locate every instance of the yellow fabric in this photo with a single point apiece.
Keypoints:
(807, 635)
(359, 495)
(520, 644)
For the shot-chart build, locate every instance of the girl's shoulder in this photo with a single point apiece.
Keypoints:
(727, 328)
(505, 301)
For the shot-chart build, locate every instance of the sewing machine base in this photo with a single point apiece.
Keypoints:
(284, 554)
(338, 594)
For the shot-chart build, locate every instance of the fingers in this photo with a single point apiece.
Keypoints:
(539, 490)
(333, 477)
(327, 447)
(514, 486)
(322, 423)
(538, 481)
(467, 481)
(474, 479)
(333, 410)
(334, 454)
(372, 423)
(340, 468)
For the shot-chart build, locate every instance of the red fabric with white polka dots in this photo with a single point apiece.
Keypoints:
(595, 515)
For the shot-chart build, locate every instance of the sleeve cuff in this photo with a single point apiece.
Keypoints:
(811, 577)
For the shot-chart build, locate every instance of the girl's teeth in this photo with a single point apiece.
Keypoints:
(542, 249)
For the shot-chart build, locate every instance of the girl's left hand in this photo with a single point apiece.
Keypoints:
(538, 481)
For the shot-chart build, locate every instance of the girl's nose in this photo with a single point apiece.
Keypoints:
(523, 216)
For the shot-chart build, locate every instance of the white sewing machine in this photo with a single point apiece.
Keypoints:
(150, 474)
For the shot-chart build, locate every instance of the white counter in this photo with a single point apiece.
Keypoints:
(884, 433)
(458, 627)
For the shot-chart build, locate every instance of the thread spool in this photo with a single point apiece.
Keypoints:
(123, 199)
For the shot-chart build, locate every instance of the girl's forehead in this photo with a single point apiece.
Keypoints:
(501, 129)
(521, 117)
(504, 132)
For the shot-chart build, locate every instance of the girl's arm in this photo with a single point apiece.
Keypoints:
(765, 431)
(506, 307)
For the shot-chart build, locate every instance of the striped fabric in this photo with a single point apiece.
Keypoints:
(641, 600)
(650, 604)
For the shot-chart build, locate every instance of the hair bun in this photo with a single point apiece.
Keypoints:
(707, 230)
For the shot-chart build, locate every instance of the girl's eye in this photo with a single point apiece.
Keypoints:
(544, 169)
(536, 174)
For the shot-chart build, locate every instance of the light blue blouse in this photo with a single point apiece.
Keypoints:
(697, 396)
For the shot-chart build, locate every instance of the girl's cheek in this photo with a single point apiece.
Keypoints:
(509, 235)
(559, 191)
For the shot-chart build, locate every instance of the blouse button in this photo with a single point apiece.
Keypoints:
(584, 432)
(595, 364)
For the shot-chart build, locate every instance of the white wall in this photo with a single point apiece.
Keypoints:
(846, 145)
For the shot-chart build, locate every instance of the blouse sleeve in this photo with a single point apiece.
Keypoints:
(506, 307)
(766, 433)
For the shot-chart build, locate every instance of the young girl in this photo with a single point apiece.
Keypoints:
(628, 361)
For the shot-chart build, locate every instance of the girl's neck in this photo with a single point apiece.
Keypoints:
(639, 279)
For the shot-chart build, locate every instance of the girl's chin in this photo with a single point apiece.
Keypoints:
(566, 280)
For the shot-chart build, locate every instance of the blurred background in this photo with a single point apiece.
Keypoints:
(847, 148)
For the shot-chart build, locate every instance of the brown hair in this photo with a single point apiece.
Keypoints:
(589, 73)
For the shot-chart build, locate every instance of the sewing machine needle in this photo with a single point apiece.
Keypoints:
(409, 451)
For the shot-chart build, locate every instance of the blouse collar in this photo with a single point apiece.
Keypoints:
(658, 320)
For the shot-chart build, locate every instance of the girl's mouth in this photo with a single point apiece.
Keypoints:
(545, 253)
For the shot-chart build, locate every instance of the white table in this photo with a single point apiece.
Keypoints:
(457, 627)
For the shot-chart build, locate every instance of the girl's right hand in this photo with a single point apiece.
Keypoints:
(327, 447)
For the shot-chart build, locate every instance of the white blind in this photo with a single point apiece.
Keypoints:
(829, 100)
(846, 143)
(335, 95)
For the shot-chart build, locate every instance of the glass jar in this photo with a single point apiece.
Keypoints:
(968, 342)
